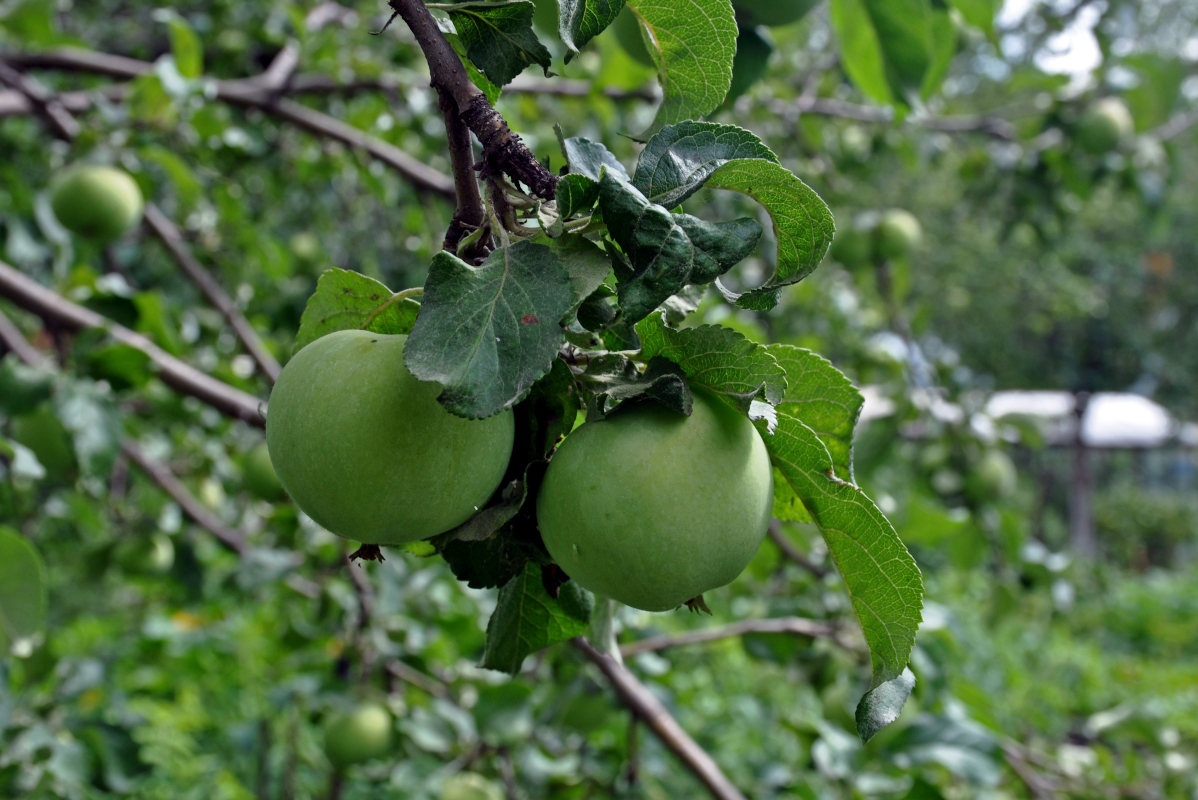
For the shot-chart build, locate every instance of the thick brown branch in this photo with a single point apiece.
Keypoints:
(52, 307)
(647, 707)
(470, 212)
(172, 238)
(503, 151)
(248, 93)
(795, 626)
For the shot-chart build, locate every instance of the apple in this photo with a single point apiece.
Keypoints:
(852, 247)
(898, 233)
(470, 786)
(1104, 126)
(365, 449)
(98, 202)
(259, 474)
(361, 734)
(992, 477)
(773, 13)
(653, 508)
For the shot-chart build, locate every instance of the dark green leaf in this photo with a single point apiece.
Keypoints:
(754, 48)
(803, 225)
(527, 619)
(580, 21)
(883, 581)
(881, 705)
(499, 38)
(22, 589)
(823, 399)
(350, 300)
(678, 161)
(576, 194)
(480, 80)
(590, 158)
(718, 359)
(615, 380)
(486, 333)
(667, 251)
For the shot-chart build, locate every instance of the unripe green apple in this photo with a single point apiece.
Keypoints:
(360, 735)
(259, 474)
(852, 247)
(470, 786)
(1104, 126)
(652, 508)
(101, 203)
(897, 234)
(773, 12)
(993, 477)
(366, 450)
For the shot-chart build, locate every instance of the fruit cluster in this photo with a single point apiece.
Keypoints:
(646, 506)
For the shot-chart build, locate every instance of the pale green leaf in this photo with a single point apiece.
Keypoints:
(881, 705)
(350, 300)
(22, 589)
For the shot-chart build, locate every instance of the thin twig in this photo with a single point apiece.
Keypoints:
(793, 553)
(795, 626)
(647, 707)
(61, 123)
(172, 239)
(247, 93)
(425, 683)
(503, 151)
(179, 375)
(13, 341)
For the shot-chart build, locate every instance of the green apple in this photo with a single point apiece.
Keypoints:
(852, 247)
(470, 786)
(365, 449)
(362, 734)
(1105, 126)
(98, 202)
(898, 233)
(652, 508)
(259, 474)
(992, 477)
(773, 12)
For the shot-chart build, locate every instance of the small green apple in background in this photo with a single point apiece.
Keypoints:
(1105, 126)
(361, 734)
(259, 474)
(898, 233)
(992, 477)
(852, 247)
(470, 786)
(773, 13)
(366, 450)
(652, 508)
(97, 202)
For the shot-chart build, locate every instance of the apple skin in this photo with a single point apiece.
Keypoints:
(470, 786)
(852, 247)
(774, 13)
(652, 508)
(362, 734)
(97, 202)
(897, 234)
(1105, 126)
(366, 450)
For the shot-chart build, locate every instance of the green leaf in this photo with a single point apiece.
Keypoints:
(883, 581)
(186, 48)
(716, 358)
(943, 46)
(591, 158)
(692, 43)
(487, 333)
(803, 225)
(579, 21)
(489, 89)
(823, 399)
(585, 263)
(499, 38)
(349, 300)
(886, 46)
(678, 160)
(527, 619)
(1153, 100)
(979, 13)
(667, 251)
(187, 185)
(881, 705)
(615, 380)
(22, 589)
(89, 416)
(576, 195)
